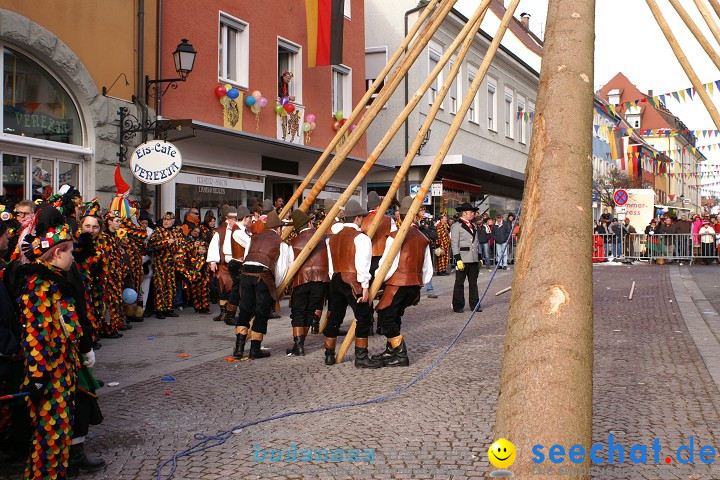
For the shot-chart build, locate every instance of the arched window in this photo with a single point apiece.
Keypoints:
(34, 103)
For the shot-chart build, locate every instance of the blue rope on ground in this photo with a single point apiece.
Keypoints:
(206, 442)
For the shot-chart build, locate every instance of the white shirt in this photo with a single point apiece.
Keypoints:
(285, 259)
(363, 254)
(149, 230)
(427, 268)
(240, 235)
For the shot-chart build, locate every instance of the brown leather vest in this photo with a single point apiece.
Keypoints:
(237, 250)
(342, 249)
(316, 266)
(257, 226)
(381, 234)
(412, 256)
(265, 249)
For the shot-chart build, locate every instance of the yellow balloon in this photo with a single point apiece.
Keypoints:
(227, 86)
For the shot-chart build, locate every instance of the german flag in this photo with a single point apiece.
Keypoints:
(325, 20)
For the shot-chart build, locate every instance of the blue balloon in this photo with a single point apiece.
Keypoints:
(233, 93)
(250, 100)
(129, 295)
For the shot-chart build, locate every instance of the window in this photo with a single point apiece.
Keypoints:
(520, 124)
(341, 89)
(434, 54)
(614, 96)
(233, 51)
(508, 113)
(289, 61)
(375, 60)
(346, 8)
(454, 92)
(473, 110)
(13, 177)
(35, 104)
(492, 104)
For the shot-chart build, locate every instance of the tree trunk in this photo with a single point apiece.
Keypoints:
(546, 381)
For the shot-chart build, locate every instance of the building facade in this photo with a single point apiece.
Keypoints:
(486, 163)
(57, 126)
(235, 152)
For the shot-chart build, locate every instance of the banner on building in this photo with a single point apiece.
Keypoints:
(325, 20)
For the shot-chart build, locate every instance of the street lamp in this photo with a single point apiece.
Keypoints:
(184, 57)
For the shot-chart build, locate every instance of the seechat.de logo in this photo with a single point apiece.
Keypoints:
(502, 454)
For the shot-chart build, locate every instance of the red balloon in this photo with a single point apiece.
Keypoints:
(342, 122)
(336, 126)
(220, 91)
(289, 107)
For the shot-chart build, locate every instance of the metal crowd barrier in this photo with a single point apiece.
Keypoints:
(658, 248)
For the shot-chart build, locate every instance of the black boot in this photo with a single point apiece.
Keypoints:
(222, 314)
(79, 461)
(384, 355)
(298, 348)
(372, 322)
(363, 360)
(240, 340)
(399, 357)
(230, 318)
(315, 328)
(256, 351)
(329, 356)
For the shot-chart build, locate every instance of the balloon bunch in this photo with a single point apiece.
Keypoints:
(227, 95)
(284, 107)
(308, 127)
(256, 102)
(338, 122)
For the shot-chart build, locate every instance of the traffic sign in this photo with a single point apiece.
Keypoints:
(620, 197)
(415, 188)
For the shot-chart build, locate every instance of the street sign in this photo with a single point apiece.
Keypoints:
(414, 189)
(436, 190)
(686, 201)
(620, 197)
(595, 196)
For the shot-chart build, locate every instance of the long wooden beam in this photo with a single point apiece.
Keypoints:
(697, 33)
(685, 63)
(411, 153)
(382, 270)
(360, 107)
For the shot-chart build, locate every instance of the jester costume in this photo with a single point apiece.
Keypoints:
(164, 265)
(89, 262)
(443, 232)
(114, 271)
(194, 270)
(52, 352)
(137, 246)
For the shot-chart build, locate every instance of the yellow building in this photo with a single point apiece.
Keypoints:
(57, 126)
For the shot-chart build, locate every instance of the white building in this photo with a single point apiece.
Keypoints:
(486, 164)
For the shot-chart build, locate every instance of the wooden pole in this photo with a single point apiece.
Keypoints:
(360, 107)
(340, 203)
(699, 36)
(716, 6)
(707, 16)
(546, 382)
(435, 166)
(632, 291)
(503, 291)
(684, 63)
(437, 104)
(370, 115)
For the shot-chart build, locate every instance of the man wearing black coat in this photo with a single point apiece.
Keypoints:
(501, 235)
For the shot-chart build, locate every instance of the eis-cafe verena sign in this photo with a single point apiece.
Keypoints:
(156, 162)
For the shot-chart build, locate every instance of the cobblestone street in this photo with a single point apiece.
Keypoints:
(650, 382)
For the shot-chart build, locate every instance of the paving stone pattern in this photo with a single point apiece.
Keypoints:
(649, 382)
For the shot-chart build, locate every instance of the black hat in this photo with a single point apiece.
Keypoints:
(373, 200)
(465, 207)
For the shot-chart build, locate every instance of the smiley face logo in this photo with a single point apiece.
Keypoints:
(502, 453)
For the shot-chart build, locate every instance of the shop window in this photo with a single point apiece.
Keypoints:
(289, 60)
(43, 171)
(35, 105)
(341, 89)
(14, 168)
(233, 51)
(68, 174)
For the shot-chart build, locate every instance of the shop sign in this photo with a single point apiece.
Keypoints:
(436, 190)
(156, 162)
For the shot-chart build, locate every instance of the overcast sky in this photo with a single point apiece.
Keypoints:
(628, 40)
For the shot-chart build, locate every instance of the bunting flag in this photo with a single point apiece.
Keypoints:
(658, 101)
(325, 19)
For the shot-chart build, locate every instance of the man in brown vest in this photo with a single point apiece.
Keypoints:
(349, 252)
(386, 226)
(410, 270)
(225, 256)
(267, 259)
(310, 284)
